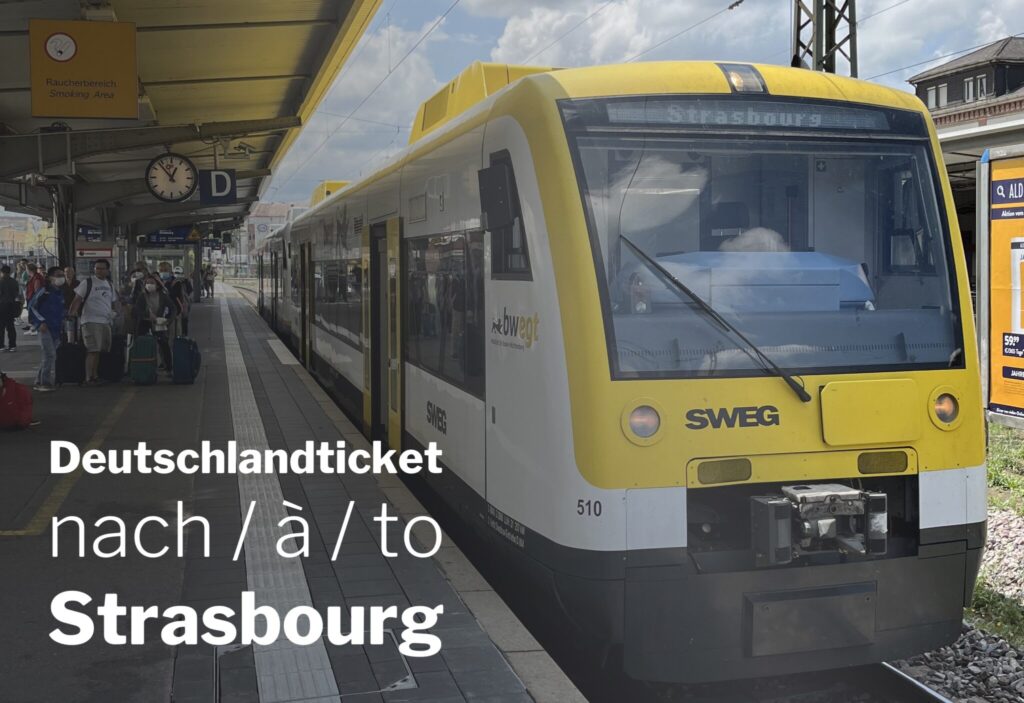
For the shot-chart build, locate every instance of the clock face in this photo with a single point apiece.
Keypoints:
(171, 178)
(61, 47)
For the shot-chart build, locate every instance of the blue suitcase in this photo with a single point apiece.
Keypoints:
(185, 360)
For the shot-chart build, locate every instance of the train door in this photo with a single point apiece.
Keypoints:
(260, 295)
(385, 325)
(306, 297)
(275, 279)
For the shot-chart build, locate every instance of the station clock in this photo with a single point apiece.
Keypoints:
(171, 178)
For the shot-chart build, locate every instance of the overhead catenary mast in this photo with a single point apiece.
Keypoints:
(822, 31)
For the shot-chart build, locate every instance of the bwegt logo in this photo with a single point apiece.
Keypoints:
(744, 416)
(517, 326)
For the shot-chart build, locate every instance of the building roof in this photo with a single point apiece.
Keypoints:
(1008, 50)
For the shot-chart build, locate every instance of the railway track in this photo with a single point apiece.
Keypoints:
(869, 684)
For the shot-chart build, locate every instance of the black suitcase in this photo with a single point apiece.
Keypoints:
(70, 366)
(112, 363)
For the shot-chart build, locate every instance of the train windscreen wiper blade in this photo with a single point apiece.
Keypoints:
(753, 351)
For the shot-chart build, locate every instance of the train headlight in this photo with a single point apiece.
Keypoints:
(743, 78)
(641, 422)
(644, 422)
(945, 409)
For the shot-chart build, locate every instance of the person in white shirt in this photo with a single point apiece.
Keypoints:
(94, 302)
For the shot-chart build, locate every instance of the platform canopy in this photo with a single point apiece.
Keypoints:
(235, 78)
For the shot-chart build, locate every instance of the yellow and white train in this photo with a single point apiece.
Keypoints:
(696, 341)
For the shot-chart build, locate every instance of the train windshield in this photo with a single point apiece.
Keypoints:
(814, 229)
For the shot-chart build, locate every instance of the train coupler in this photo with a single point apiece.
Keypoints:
(814, 519)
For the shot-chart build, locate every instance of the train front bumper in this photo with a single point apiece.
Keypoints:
(685, 626)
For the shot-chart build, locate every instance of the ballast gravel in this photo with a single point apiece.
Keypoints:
(1003, 563)
(980, 667)
(977, 668)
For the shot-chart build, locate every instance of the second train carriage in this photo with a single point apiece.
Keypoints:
(696, 341)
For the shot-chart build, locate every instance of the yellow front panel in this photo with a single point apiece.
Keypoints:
(870, 412)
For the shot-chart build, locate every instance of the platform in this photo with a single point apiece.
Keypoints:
(252, 391)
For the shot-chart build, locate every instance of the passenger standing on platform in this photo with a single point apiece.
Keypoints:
(10, 309)
(130, 293)
(36, 281)
(154, 313)
(135, 282)
(71, 282)
(208, 278)
(174, 292)
(94, 303)
(46, 312)
(21, 275)
(185, 290)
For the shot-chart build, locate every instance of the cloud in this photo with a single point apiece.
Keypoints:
(331, 147)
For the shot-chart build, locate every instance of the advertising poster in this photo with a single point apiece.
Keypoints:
(1006, 271)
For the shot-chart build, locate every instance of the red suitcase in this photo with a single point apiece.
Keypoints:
(15, 404)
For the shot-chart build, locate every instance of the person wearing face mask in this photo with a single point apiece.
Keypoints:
(70, 283)
(96, 300)
(154, 314)
(130, 292)
(175, 292)
(184, 298)
(46, 313)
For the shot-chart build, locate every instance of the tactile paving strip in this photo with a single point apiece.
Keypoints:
(285, 671)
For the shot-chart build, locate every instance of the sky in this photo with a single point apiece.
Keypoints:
(413, 47)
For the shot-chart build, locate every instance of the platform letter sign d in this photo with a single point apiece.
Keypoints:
(218, 187)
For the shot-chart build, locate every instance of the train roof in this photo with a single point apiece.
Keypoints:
(479, 87)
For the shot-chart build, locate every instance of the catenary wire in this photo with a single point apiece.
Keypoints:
(572, 29)
(369, 95)
(731, 6)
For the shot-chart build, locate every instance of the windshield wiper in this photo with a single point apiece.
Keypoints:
(753, 351)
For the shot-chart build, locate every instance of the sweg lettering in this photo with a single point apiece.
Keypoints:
(437, 418)
(746, 416)
(521, 326)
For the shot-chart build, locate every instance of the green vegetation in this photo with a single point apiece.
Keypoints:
(990, 610)
(1006, 468)
(995, 613)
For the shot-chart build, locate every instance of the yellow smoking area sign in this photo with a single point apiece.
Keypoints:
(83, 69)
(1001, 295)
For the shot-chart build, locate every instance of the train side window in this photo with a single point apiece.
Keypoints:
(503, 218)
(444, 315)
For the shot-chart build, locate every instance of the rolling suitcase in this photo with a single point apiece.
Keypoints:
(142, 361)
(111, 366)
(70, 330)
(70, 364)
(15, 404)
(185, 360)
